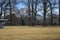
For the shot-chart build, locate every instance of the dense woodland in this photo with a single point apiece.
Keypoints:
(36, 12)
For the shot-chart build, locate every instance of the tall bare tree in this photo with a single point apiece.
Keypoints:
(45, 11)
(59, 12)
(35, 10)
(52, 7)
(50, 4)
(29, 12)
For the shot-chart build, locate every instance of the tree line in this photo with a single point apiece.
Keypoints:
(33, 7)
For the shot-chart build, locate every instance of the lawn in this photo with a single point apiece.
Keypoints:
(29, 33)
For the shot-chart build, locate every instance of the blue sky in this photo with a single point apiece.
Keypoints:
(21, 5)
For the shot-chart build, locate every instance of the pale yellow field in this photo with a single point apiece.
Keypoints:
(29, 33)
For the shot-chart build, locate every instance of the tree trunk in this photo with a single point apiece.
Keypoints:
(35, 12)
(32, 19)
(1, 12)
(45, 10)
(29, 12)
(10, 13)
(51, 15)
(59, 12)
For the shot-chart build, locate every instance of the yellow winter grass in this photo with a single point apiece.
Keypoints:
(29, 33)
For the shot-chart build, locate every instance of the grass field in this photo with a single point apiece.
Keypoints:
(29, 33)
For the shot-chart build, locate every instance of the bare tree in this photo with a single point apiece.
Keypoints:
(8, 5)
(35, 10)
(59, 12)
(50, 4)
(45, 11)
(29, 12)
(52, 7)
